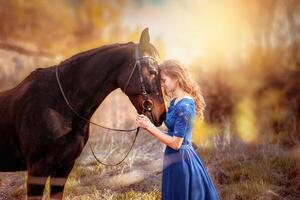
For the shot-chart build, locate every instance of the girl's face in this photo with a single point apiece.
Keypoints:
(167, 83)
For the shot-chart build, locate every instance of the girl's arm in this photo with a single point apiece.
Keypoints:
(172, 141)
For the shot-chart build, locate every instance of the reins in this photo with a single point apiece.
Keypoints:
(147, 106)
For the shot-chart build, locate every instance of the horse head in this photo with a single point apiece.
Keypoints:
(140, 80)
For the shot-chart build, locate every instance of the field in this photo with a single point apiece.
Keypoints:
(239, 171)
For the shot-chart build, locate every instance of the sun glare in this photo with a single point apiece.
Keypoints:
(194, 30)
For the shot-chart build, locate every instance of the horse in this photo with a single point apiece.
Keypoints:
(41, 134)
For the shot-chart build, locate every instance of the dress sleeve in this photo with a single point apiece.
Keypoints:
(183, 116)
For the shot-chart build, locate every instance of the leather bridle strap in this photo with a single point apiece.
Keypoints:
(135, 64)
(143, 88)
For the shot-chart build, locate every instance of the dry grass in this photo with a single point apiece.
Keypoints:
(254, 172)
(239, 172)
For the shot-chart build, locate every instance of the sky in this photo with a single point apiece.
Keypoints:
(190, 29)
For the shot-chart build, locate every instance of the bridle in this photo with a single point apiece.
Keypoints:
(147, 103)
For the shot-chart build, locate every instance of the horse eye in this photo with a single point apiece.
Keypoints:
(153, 72)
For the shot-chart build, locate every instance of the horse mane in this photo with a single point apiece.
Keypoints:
(82, 56)
(77, 58)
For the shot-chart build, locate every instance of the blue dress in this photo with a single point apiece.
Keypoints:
(184, 176)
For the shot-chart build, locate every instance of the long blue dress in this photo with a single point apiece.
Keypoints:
(184, 175)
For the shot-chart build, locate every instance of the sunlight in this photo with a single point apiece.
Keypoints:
(193, 30)
(245, 120)
(203, 133)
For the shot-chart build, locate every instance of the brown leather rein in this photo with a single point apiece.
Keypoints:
(147, 104)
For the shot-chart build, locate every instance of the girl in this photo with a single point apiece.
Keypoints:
(184, 176)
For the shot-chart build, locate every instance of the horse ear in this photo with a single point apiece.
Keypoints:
(145, 46)
(145, 37)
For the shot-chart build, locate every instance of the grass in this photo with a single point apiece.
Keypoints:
(255, 172)
(239, 171)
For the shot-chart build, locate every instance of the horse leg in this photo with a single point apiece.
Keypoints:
(37, 177)
(58, 180)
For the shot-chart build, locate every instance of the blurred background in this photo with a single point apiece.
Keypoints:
(244, 54)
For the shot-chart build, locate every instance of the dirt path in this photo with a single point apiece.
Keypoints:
(12, 185)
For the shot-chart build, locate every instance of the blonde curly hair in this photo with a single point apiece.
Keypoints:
(177, 71)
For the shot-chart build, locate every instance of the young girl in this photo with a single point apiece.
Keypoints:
(184, 174)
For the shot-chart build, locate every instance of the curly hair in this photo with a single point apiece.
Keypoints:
(177, 71)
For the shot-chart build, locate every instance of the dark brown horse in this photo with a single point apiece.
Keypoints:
(40, 133)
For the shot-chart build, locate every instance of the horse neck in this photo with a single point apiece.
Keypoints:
(91, 81)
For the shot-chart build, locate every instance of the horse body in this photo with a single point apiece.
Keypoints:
(31, 110)
(39, 132)
(9, 149)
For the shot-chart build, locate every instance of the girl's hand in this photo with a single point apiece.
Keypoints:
(143, 121)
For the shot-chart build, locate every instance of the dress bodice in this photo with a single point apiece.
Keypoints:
(180, 118)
